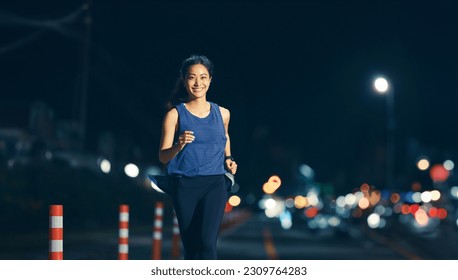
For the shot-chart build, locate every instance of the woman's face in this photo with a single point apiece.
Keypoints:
(197, 80)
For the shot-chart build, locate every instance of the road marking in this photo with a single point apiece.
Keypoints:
(269, 245)
(393, 245)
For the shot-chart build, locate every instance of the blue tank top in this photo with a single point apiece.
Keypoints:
(205, 155)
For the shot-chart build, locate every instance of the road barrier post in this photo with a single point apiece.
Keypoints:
(56, 232)
(123, 241)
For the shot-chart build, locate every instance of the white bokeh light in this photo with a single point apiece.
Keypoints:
(381, 85)
(131, 170)
(105, 166)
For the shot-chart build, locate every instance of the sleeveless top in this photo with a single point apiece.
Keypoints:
(205, 155)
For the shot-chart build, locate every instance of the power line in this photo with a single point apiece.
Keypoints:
(57, 25)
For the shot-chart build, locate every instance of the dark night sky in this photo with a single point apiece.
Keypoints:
(296, 76)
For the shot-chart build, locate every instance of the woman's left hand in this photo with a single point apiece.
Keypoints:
(231, 166)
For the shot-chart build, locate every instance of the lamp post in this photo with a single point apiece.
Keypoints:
(382, 86)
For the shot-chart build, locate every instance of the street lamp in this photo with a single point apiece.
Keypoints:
(382, 86)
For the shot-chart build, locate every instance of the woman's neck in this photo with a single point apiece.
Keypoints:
(199, 103)
(198, 107)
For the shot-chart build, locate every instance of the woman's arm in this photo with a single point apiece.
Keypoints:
(230, 163)
(167, 150)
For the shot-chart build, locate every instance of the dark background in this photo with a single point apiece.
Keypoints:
(296, 75)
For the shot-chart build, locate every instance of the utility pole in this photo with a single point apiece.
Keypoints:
(84, 86)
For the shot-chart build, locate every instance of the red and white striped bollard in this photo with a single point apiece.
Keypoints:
(157, 231)
(56, 232)
(123, 241)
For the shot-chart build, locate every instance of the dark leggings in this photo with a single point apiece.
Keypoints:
(199, 204)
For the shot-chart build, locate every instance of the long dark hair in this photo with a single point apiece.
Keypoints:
(179, 94)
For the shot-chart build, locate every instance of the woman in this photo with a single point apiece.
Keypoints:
(196, 148)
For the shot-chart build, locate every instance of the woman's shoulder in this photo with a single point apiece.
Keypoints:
(225, 113)
(176, 109)
(172, 113)
(217, 106)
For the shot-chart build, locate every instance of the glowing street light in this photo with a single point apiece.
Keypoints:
(382, 86)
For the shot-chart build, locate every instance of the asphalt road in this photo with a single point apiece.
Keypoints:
(244, 236)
